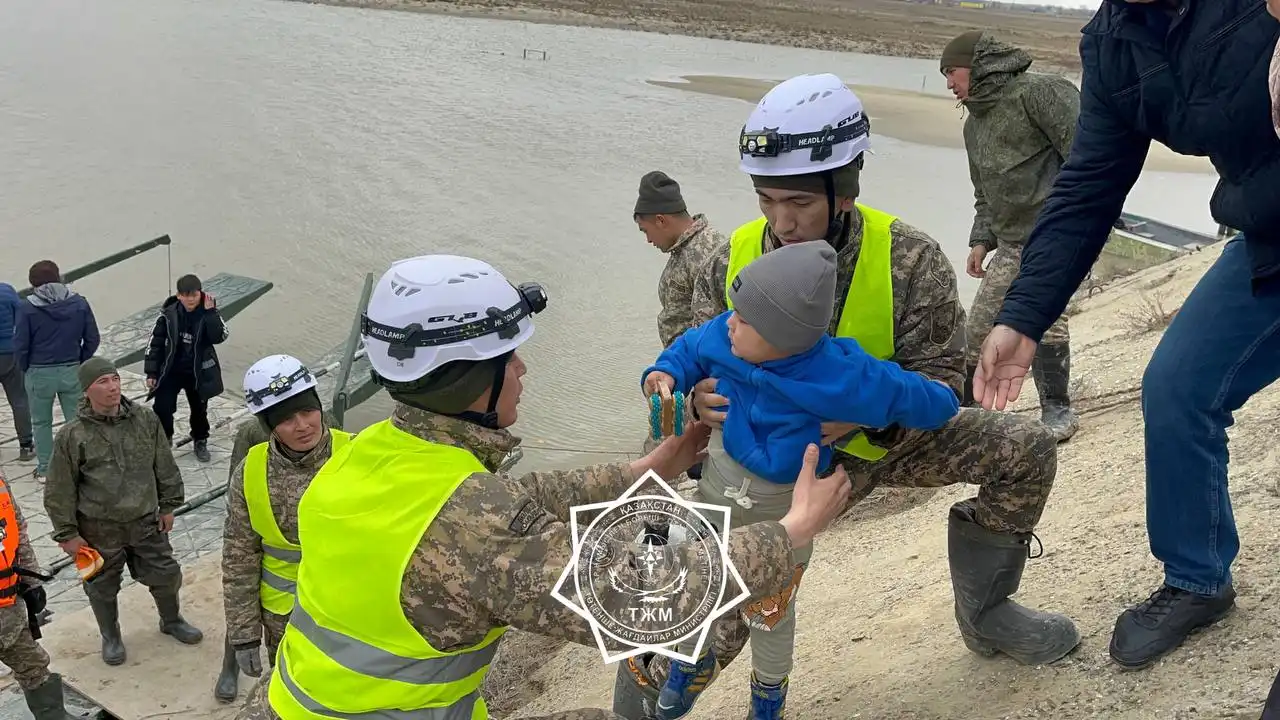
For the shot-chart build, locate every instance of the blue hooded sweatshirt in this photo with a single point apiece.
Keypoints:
(55, 327)
(777, 408)
(9, 303)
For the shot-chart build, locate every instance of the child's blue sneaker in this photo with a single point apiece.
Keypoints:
(685, 683)
(768, 702)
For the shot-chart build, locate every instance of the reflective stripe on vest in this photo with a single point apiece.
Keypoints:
(280, 557)
(9, 537)
(349, 651)
(867, 312)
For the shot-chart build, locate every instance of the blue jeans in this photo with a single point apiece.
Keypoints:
(1222, 347)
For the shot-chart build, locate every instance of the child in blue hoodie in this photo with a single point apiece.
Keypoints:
(784, 377)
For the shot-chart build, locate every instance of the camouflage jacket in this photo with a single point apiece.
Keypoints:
(675, 288)
(253, 431)
(116, 468)
(928, 318)
(13, 619)
(499, 545)
(242, 547)
(1017, 135)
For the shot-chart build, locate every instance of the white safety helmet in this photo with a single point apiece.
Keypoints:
(807, 124)
(273, 379)
(434, 309)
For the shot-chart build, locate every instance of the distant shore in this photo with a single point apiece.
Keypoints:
(910, 116)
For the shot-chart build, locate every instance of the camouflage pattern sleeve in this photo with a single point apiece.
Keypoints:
(249, 433)
(930, 335)
(169, 488)
(981, 234)
(1053, 104)
(26, 555)
(60, 494)
(241, 566)
(517, 559)
(708, 286)
(675, 287)
(559, 490)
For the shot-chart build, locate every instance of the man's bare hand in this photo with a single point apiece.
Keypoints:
(72, 546)
(973, 264)
(166, 523)
(1002, 367)
(705, 398)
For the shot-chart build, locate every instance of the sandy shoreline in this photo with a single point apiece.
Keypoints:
(909, 116)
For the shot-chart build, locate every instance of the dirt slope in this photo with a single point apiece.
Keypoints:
(877, 638)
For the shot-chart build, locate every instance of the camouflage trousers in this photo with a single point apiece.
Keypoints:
(138, 545)
(19, 651)
(1001, 271)
(1012, 459)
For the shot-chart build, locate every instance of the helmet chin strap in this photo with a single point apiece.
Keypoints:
(836, 220)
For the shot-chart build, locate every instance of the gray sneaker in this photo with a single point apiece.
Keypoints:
(26, 453)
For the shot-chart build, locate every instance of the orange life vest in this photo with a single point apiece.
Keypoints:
(9, 536)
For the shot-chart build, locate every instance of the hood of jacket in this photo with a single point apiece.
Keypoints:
(995, 65)
(57, 301)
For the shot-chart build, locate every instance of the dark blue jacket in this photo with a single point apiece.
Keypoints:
(1194, 79)
(9, 303)
(58, 333)
(777, 408)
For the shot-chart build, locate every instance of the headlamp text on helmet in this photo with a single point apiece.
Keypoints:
(280, 384)
(770, 143)
(504, 323)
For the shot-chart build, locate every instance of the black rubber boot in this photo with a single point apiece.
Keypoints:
(986, 568)
(1052, 373)
(171, 622)
(46, 702)
(107, 613)
(228, 685)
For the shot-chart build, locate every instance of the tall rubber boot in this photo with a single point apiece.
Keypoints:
(228, 685)
(986, 568)
(171, 622)
(1052, 373)
(46, 702)
(107, 613)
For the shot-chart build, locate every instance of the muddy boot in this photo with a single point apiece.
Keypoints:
(171, 622)
(46, 702)
(228, 685)
(1052, 373)
(107, 613)
(986, 568)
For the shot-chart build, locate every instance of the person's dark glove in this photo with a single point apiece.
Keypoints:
(34, 597)
(248, 658)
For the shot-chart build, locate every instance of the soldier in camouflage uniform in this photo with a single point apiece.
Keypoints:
(113, 486)
(808, 194)
(1018, 134)
(19, 650)
(496, 546)
(281, 392)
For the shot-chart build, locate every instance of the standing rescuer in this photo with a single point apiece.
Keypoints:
(260, 551)
(113, 486)
(417, 558)
(1017, 135)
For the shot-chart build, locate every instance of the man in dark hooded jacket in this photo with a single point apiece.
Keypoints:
(1017, 134)
(1192, 75)
(181, 358)
(54, 333)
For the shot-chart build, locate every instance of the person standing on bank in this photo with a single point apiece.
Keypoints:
(260, 552)
(55, 332)
(1193, 77)
(15, 389)
(113, 486)
(1017, 135)
(181, 358)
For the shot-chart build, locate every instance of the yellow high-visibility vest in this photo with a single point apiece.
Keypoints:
(349, 650)
(867, 313)
(280, 557)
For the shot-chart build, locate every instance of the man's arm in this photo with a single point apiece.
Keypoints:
(168, 476)
(1053, 104)
(708, 286)
(248, 434)
(981, 233)
(60, 493)
(89, 337)
(929, 336)
(241, 567)
(557, 491)
(22, 339)
(1104, 163)
(153, 363)
(215, 327)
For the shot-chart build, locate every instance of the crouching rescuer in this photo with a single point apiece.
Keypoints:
(260, 550)
(418, 556)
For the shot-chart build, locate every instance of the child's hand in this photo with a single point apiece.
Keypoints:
(658, 382)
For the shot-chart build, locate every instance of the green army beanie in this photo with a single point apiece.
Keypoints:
(659, 195)
(959, 52)
(94, 368)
